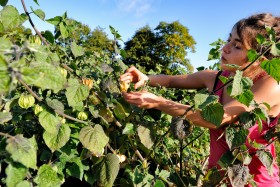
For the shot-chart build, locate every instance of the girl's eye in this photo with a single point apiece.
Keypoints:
(237, 46)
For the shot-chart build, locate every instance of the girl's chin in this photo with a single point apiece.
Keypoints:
(224, 67)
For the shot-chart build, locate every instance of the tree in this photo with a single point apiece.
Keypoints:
(98, 41)
(161, 48)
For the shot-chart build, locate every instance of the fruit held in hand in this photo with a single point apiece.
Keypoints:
(124, 86)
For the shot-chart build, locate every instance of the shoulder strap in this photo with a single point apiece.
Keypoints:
(216, 80)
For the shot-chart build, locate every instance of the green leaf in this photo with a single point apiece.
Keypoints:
(252, 55)
(36, 2)
(5, 79)
(235, 137)
(213, 113)
(237, 88)
(272, 67)
(247, 120)
(159, 183)
(129, 129)
(3, 2)
(56, 141)
(108, 170)
(63, 30)
(246, 97)
(44, 75)
(55, 21)
(226, 159)
(5, 45)
(5, 117)
(76, 169)
(40, 13)
(76, 93)
(202, 100)
(10, 18)
(23, 150)
(146, 136)
(15, 174)
(77, 50)
(49, 36)
(119, 111)
(267, 160)
(275, 49)
(47, 177)
(94, 139)
(49, 121)
(55, 104)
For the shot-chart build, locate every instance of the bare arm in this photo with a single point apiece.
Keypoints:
(198, 80)
(266, 90)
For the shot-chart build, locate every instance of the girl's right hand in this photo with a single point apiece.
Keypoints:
(133, 75)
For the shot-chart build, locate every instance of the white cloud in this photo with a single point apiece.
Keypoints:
(137, 7)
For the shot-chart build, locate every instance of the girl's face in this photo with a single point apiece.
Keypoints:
(234, 52)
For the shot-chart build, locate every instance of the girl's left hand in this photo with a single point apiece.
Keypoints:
(142, 99)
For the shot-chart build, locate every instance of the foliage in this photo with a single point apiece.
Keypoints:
(63, 117)
(79, 127)
(167, 45)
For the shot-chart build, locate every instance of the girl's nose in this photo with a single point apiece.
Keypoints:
(226, 48)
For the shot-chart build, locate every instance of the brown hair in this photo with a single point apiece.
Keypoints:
(248, 29)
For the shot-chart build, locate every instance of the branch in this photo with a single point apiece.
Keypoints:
(32, 24)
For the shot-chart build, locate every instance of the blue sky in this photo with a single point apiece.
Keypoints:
(206, 20)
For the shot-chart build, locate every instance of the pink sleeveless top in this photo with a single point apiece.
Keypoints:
(218, 147)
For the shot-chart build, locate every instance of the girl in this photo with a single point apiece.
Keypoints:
(265, 89)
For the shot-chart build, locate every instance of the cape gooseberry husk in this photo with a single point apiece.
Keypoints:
(26, 101)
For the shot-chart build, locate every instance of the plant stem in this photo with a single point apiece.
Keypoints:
(32, 24)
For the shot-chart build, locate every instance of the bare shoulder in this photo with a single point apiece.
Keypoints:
(267, 90)
(208, 78)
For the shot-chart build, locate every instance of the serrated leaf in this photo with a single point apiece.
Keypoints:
(272, 67)
(10, 18)
(247, 120)
(5, 117)
(36, 2)
(238, 175)
(235, 137)
(44, 75)
(129, 129)
(237, 88)
(56, 141)
(47, 177)
(49, 121)
(94, 139)
(55, 104)
(23, 150)
(15, 174)
(76, 93)
(246, 97)
(108, 170)
(267, 160)
(77, 50)
(213, 113)
(146, 136)
(202, 100)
